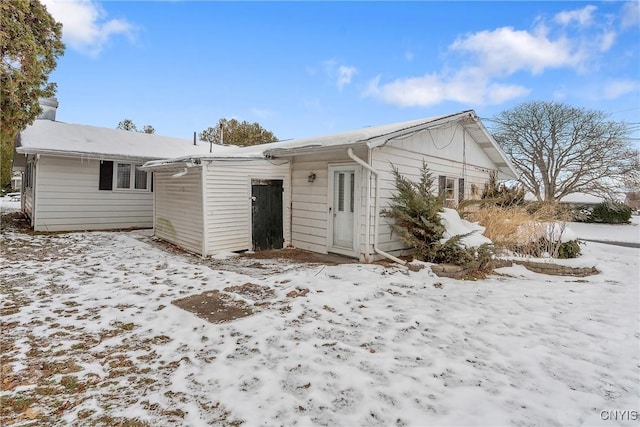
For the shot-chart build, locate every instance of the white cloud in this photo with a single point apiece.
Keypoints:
(341, 74)
(559, 94)
(345, 74)
(262, 113)
(481, 61)
(583, 17)
(606, 40)
(616, 88)
(505, 51)
(630, 14)
(85, 26)
(468, 86)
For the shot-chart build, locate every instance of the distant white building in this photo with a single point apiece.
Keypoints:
(16, 180)
(580, 199)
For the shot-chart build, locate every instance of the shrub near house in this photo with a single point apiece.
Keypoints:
(610, 213)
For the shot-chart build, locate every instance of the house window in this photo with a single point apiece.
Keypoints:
(140, 179)
(123, 177)
(28, 181)
(106, 175)
(128, 176)
(474, 191)
(447, 191)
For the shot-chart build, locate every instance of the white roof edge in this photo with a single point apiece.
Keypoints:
(510, 169)
(378, 141)
(352, 139)
(86, 155)
(292, 151)
(196, 160)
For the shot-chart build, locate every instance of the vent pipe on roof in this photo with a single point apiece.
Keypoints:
(49, 107)
(194, 138)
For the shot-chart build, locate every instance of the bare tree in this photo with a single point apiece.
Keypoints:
(560, 150)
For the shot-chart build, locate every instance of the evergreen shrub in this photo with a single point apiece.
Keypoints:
(611, 213)
(415, 214)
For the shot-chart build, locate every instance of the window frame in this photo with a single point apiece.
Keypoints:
(448, 184)
(133, 184)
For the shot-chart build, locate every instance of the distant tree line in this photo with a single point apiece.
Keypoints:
(127, 124)
(234, 132)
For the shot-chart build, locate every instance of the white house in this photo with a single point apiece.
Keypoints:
(332, 188)
(79, 177)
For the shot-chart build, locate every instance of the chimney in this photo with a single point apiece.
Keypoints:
(49, 107)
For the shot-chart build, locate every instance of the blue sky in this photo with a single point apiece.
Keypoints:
(312, 68)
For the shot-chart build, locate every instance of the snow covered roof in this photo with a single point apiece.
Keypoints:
(377, 136)
(66, 139)
(373, 136)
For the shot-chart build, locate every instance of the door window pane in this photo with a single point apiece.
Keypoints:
(340, 192)
(352, 192)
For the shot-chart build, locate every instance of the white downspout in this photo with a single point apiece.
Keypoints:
(204, 168)
(362, 163)
(367, 237)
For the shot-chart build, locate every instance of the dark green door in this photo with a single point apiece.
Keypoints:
(266, 196)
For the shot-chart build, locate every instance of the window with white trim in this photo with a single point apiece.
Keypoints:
(447, 191)
(123, 176)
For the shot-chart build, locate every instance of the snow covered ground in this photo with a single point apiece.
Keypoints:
(608, 232)
(90, 337)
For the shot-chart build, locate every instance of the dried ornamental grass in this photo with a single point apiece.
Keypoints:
(526, 232)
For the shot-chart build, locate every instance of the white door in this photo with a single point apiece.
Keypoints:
(342, 209)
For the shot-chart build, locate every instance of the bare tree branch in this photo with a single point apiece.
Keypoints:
(560, 150)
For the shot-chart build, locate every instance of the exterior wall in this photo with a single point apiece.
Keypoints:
(444, 151)
(310, 204)
(178, 207)
(227, 199)
(67, 198)
(27, 197)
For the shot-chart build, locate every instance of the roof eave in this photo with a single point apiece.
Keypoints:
(310, 149)
(195, 160)
(81, 154)
(491, 147)
(383, 139)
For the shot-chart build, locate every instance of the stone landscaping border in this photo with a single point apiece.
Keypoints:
(460, 273)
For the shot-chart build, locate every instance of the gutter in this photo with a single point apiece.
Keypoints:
(373, 171)
(83, 155)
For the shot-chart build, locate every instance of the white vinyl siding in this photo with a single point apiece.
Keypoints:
(310, 204)
(444, 156)
(28, 197)
(178, 207)
(68, 199)
(228, 201)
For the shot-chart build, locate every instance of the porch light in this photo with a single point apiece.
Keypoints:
(312, 177)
